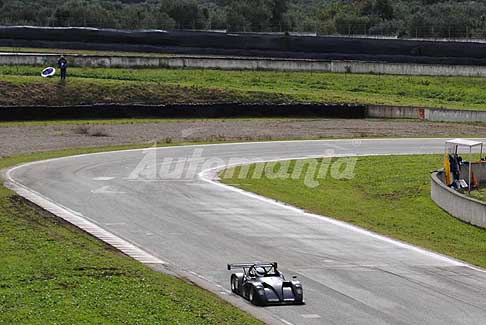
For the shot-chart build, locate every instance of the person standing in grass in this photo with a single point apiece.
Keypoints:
(63, 64)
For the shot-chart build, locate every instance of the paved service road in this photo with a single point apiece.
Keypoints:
(350, 276)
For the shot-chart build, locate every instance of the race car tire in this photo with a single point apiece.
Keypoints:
(253, 297)
(234, 285)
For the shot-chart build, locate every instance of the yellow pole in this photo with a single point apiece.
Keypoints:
(447, 170)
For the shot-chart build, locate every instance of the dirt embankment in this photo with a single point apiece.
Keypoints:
(85, 92)
(35, 138)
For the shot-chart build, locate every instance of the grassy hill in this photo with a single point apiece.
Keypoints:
(24, 86)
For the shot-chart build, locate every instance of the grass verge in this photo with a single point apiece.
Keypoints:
(479, 195)
(388, 195)
(51, 273)
(32, 90)
(23, 85)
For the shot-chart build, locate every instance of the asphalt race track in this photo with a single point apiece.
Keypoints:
(193, 224)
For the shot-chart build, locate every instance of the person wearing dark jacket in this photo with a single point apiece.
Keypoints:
(62, 64)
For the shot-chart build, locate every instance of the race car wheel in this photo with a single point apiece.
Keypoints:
(252, 296)
(234, 285)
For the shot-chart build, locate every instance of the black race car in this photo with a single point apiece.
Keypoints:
(262, 284)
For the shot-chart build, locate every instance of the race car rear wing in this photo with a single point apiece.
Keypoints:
(246, 265)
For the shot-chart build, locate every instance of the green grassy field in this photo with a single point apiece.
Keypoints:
(389, 195)
(51, 273)
(86, 85)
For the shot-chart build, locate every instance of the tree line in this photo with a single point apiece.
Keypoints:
(411, 18)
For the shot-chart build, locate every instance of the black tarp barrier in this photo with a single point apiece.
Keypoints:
(223, 110)
(186, 42)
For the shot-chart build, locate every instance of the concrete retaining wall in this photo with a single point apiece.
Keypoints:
(446, 115)
(241, 63)
(458, 205)
(407, 68)
(393, 112)
(429, 114)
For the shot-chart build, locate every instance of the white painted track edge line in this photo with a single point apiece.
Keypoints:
(83, 223)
